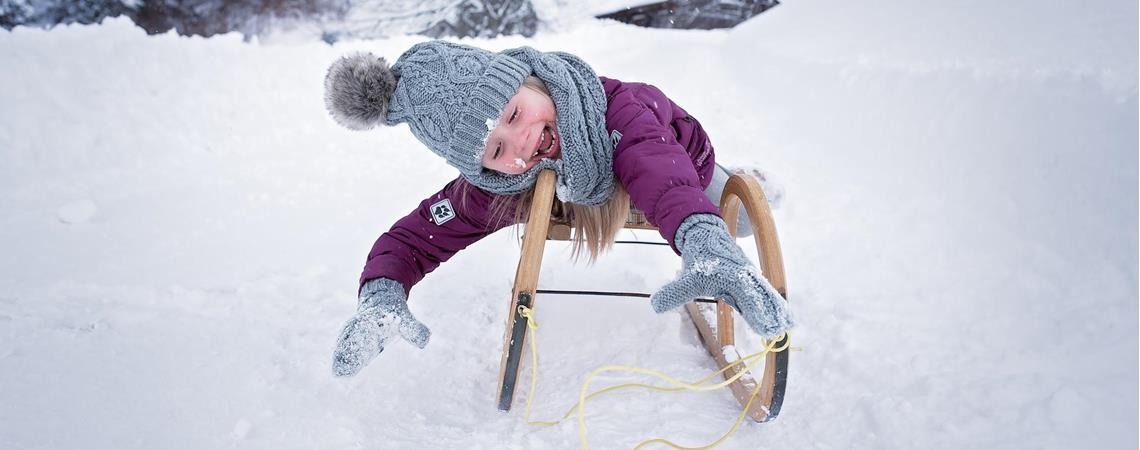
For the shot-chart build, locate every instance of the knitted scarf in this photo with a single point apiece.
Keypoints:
(585, 171)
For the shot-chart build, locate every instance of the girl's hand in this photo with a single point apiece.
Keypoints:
(383, 313)
(714, 266)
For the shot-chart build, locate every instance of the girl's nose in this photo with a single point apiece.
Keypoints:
(519, 145)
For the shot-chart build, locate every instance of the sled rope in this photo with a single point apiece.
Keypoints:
(749, 362)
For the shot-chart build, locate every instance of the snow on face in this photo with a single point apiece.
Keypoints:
(491, 124)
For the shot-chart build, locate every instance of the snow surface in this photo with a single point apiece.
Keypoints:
(182, 226)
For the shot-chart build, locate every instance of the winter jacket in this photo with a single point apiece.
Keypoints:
(662, 157)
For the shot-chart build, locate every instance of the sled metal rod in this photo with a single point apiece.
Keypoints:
(610, 294)
(642, 243)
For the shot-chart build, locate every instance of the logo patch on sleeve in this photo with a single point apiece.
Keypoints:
(615, 136)
(442, 211)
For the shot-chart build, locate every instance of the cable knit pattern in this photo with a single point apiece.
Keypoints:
(446, 92)
(383, 313)
(451, 95)
(713, 265)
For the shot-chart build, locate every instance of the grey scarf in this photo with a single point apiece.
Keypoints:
(585, 171)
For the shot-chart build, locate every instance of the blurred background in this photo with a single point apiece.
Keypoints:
(339, 19)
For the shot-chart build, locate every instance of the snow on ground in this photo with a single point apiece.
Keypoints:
(182, 227)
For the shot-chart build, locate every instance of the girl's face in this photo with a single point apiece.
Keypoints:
(525, 134)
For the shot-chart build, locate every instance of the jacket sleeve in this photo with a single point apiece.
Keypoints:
(651, 164)
(443, 224)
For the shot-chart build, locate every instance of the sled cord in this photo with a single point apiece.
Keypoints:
(677, 385)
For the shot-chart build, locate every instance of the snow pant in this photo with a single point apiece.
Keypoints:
(713, 192)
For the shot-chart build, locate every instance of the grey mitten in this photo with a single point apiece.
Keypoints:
(714, 266)
(383, 312)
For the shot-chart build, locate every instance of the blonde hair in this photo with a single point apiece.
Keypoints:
(594, 227)
(537, 84)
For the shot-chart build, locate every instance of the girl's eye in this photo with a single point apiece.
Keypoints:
(497, 149)
(512, 119)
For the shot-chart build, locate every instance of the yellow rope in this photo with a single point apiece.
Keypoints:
(749, 362)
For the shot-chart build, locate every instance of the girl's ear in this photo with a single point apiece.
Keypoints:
(358, 87)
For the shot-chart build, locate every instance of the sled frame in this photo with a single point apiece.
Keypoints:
(717, 334)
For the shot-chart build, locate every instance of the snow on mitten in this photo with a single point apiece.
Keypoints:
(383, 313)
(713, 265)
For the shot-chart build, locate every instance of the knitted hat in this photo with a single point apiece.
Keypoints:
(450, 95)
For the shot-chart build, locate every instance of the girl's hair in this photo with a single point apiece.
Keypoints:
(594, 227)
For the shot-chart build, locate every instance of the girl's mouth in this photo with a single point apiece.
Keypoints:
(545, 142)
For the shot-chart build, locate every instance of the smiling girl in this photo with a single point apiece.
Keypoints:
(527, 134)
(500, 118)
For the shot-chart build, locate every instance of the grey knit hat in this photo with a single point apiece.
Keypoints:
(450, 95)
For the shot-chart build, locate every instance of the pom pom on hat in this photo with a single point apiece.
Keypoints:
(357, 90)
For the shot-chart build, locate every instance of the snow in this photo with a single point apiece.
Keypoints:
(79, 211)
(705, 266)
(730, 353)
(183, 225)
(491, 125)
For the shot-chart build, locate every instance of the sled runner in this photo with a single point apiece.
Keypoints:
(713, 320)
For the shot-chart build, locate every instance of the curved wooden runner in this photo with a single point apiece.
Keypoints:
(719, 340)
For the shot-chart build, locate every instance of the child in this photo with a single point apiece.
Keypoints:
(500, 118)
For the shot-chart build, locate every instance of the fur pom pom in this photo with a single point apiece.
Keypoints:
(357, 89)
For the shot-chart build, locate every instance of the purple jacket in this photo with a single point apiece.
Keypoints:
(663, 158)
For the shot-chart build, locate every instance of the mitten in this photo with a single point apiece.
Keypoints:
(714, 266)
(383, 313)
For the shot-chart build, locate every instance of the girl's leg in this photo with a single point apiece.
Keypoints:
(713, 192)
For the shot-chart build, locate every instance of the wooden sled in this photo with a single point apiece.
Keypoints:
(713, 320)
